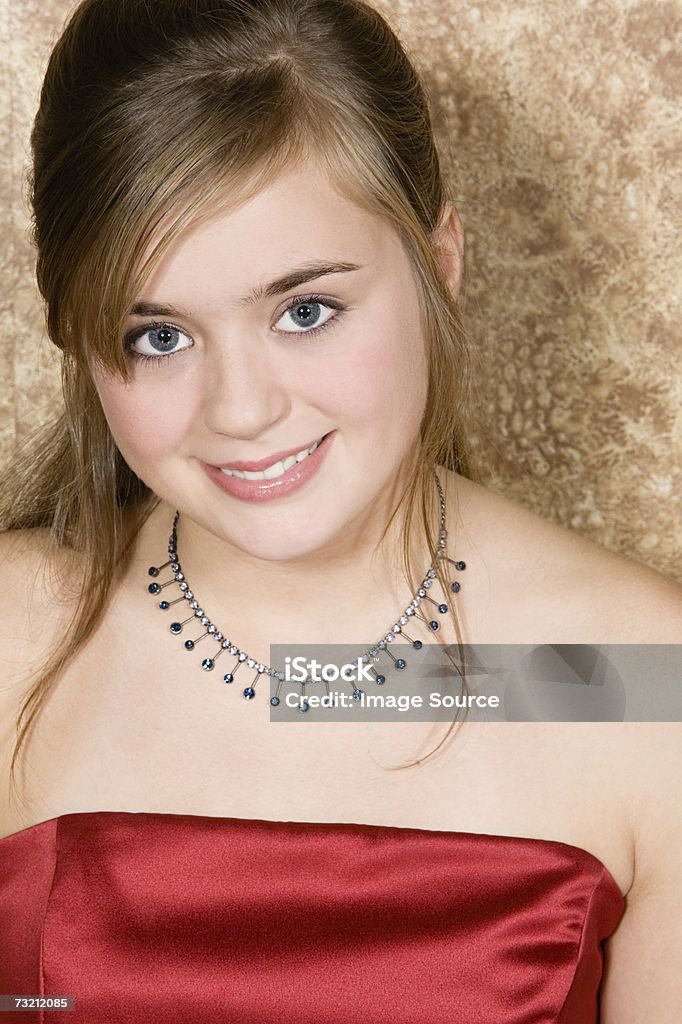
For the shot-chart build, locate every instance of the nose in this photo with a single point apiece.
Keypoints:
(243, 392)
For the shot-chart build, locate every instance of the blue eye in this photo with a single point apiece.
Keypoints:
(306, 312)
(161, 341)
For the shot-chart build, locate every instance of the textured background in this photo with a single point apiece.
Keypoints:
(559, 127)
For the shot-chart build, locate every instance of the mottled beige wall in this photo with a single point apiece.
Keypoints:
(559, 125)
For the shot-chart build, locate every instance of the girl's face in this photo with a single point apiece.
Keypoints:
(290, 319)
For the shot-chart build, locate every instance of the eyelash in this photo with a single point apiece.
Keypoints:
(132, 336)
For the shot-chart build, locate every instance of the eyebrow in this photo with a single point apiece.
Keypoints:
(292, 279)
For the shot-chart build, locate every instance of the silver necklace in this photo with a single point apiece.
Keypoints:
(412, 613)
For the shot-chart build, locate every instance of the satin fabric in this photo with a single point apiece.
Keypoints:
(154, 917)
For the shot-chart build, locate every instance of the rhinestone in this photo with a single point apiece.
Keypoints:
(400, 663)
(365, 659)
(154, 588)
(164, 606)
(218, 637)
(260, 667)
(442, 608)
(211, 629)
(232, 649)
(403, 620)
(427, 584)
(176, 627)
(175, 567)
(179, 576)
(396, 628)
(280, 676)
(443, 534)
(249, 692)
(199, 612)
(374, 651)
(382, 645)
(456, 587)
(389, 638)
(189, 595)
(434, 624)
(228, 677)
(183, 586)
(251, 663)
(417, 601)
(243, 655)
(381, 680)
(358, 694)
(271, 672)
(205, 620)
(421, 592)
(409, 611)
(461, 565)
(417, 645)
(431, 573)
(303, 706)
(189, 644)
(274, 701)
(193, 604)
(207, 664)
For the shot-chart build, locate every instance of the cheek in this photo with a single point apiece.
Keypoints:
(144, 423)
(379, 378)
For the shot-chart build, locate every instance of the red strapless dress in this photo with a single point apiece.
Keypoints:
(160, 918)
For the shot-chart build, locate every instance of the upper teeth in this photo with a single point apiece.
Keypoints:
(276, 469)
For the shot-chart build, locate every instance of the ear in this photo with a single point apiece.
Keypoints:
(448, 243)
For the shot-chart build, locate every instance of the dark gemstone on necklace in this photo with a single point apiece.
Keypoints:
(461, 565)
(456, 587)
(303, 706)
(207, 664)
(417, 645)
(442, 608)
(164, 606)
(249, 692)
(175, 627)
(189, 644)
(434, 624)
(400, 663)
(228, 677)
(381, 680)
(154, 588)
(274, 701)
(358, 694)
(153, 571)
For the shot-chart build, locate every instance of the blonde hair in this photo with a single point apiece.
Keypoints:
(153, 116)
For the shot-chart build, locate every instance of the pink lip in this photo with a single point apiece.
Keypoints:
(257, 467)
(267, 490)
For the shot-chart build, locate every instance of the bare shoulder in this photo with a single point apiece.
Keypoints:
(647, 942)
(575, 590)
(36, 605)
(39, 586)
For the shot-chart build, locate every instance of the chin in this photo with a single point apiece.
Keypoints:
(283, 547)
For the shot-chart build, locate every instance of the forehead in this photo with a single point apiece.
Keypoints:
(299, 216)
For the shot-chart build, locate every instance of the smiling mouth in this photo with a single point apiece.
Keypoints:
(277, 468)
